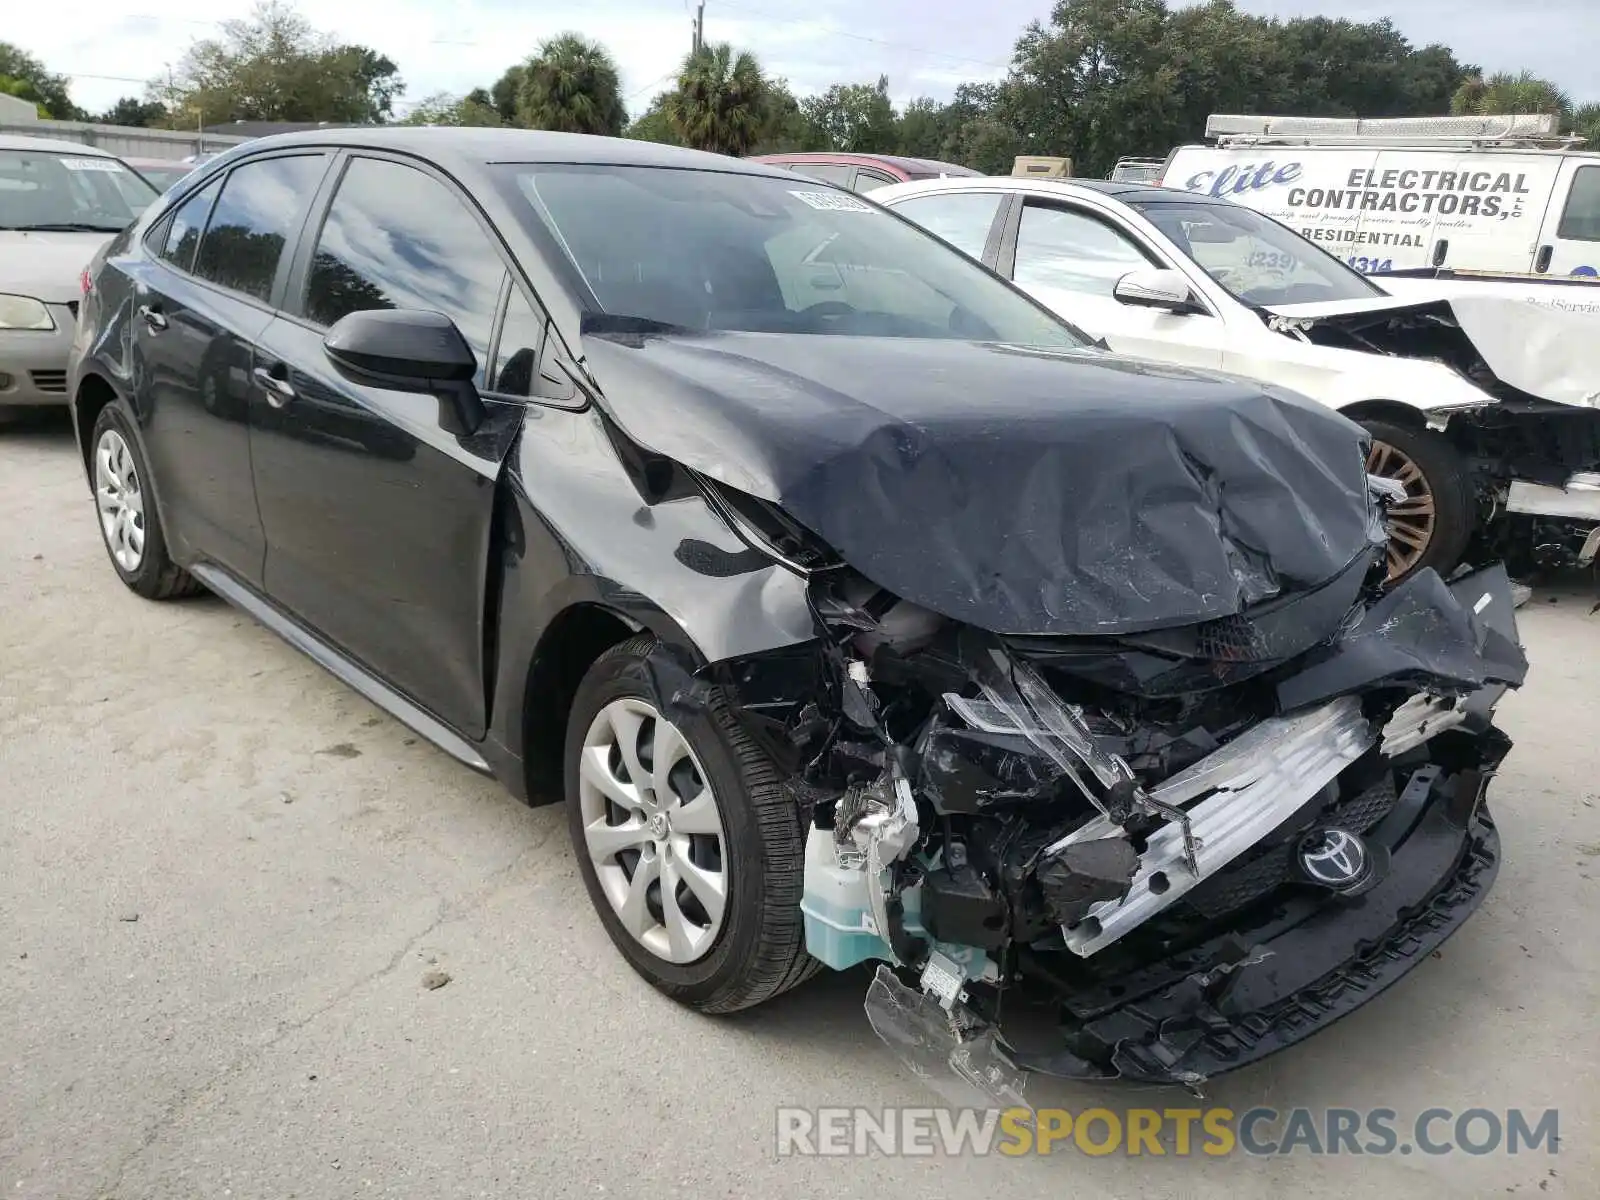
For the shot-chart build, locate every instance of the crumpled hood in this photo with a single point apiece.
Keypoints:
(46, 266)
(1018, 491)
(1542, 351)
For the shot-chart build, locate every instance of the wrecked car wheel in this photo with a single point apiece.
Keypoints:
(1431, 526)
(692, 853)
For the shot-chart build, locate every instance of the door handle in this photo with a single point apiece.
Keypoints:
(153, 318)
(279, 391)
(1542, 263)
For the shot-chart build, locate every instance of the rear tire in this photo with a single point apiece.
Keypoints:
(757, 948)
(130, 527)
(1432, 526)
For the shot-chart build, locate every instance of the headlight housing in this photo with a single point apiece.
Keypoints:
(24, 312)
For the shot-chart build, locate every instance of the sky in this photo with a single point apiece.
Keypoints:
(926, 47)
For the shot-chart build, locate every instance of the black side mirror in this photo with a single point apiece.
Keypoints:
(410, 350)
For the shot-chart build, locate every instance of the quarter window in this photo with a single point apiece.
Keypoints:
(516, 359)
(396, 237)
(835, 173)
(961, 218)
(1063, 248)
(182, 232)
(1580, 219)
(261, 207)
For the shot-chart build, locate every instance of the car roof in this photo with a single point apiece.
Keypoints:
(482, 146)
(54, 145)
(1114, 188)
(930, 166)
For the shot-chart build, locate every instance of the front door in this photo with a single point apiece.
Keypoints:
(378, 520)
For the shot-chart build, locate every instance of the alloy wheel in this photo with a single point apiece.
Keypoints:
(1410, 522)
(653, 830)
(120, 500)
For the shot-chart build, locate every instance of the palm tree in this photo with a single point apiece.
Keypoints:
(721, 101)
(571, 85)
(1504, 93)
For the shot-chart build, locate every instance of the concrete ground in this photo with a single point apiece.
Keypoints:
(223, 877)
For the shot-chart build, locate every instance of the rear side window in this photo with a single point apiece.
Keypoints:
(961, 218)
(867, 180)
(1580, 219)
(396, 237)
(261, 207)
(183, 230)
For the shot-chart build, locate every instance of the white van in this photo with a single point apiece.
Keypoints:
(1441, 197)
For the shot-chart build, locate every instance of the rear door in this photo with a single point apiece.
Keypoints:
(202, 297)
(1569, 243)
(377, 520)
(1070, 258)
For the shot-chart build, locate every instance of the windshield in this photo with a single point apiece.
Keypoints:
(49, 190)
(709, 250)
(1255, 258)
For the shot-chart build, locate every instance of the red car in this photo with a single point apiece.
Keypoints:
(863, 172)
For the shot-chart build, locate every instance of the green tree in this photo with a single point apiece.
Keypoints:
(571, 85)
(23, 89)
(274, 66)
(1585, 123)
(1503, 93)
(505, 91)
(49, 91)
(654, 124)
(720, 101)
(441, 108)
(857, 117)
(134, 113)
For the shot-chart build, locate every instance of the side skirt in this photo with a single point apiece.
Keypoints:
(341, 665)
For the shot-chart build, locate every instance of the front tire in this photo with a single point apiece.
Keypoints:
(691, 852)
(130, 528)
(1432, 525)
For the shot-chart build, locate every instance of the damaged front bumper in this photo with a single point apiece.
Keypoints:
(1296, 964)
(1177, 898)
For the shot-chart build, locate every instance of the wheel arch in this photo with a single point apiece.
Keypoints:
(578, 633)
(95, 392)
(1394, 411)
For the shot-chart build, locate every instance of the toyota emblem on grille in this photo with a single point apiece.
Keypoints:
(1335, 858)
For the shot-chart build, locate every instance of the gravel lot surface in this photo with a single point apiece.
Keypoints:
(224, 878)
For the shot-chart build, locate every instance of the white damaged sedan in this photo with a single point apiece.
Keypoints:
(1486, 410)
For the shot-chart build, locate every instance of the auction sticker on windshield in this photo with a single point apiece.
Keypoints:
(91, 164)
(832, 201)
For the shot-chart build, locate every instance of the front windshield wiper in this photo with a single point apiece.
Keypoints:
(62, 227)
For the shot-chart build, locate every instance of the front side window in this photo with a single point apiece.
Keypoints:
(1252, 256)
(184, 229)
(961, 218)
(260, 208)
(395, 237)
(714, 250)
(48, 190)
(1068, 249)
(1580, 219)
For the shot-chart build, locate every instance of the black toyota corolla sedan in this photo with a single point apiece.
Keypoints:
(857, 610)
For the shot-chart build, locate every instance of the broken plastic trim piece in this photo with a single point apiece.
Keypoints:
(1419, 719)
(1259, 780)
(953, 1052)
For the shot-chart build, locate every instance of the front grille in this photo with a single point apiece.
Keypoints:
(1259, 873)
(49, 381)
